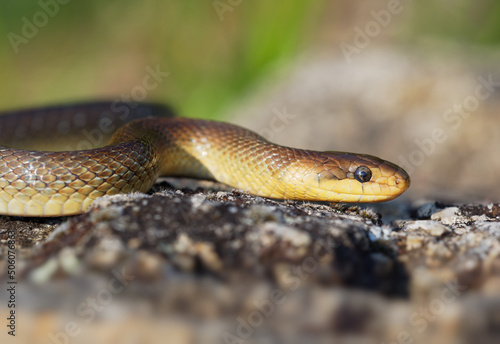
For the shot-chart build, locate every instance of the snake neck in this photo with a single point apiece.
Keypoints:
(210, 150)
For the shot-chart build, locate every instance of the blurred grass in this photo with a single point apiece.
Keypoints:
(92, 49)
(465, 21)
(95, 50)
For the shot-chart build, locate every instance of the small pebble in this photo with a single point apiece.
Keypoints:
(434, 228)
(426, 210)
(447, 216)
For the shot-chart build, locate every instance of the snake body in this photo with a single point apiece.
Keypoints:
(149, 142)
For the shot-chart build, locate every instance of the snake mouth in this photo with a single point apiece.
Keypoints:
(380, 190)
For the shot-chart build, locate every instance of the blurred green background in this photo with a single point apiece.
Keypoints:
(215, 52)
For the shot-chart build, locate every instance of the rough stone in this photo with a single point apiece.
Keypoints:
(222, 256)
(446, 216)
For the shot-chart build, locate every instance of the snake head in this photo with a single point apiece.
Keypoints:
(350, 177)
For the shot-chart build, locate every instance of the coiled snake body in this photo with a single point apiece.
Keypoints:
(38, 181)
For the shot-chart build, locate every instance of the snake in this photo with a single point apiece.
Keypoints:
(56, 160)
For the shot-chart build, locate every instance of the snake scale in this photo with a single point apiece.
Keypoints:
(136, 143)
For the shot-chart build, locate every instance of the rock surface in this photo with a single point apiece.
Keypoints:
(200, 265)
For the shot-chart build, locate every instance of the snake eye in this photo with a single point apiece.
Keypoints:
(363, 174)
